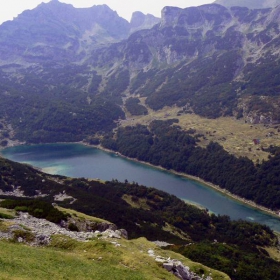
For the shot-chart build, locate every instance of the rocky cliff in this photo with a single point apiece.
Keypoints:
(60, 32)
(213, 60)
(140, 21)
(28, 230)
(214, 55)
(252, 4)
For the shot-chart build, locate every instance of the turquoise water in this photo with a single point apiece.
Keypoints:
(81, 161)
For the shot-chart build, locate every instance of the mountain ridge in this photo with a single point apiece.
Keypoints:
(252, 4)
(215, 56)
(58, 27)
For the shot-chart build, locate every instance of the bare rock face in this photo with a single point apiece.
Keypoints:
(123, 233)
(252, 4)
(195, 17)
(105, 226)
(140, 21)
(253, 112)
(28, 229)
(169, 15)
(57, 31)
(88, 226)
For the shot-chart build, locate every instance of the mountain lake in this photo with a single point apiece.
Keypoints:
(77, 160)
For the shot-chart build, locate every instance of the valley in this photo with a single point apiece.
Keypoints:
(165, 219)
(193, 94)
(76, 160)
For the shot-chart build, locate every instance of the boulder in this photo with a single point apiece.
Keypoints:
(43, 240)
(168, 266)
(123, 233)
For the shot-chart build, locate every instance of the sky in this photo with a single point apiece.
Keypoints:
(11, 8)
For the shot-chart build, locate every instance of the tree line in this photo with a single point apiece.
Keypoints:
(164, 144)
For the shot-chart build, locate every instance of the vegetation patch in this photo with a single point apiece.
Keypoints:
(80, 215)
(134, 107)
(165, 144)
(65, 258)
(36, 208)
(4, 226)
(238, 263)
(6, 213)
(235, 136)
(23, 236)
(136, 202)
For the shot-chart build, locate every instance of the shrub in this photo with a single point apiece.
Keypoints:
(27, 236)
(73, 227)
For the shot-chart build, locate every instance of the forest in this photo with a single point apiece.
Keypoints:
(134, 108)
(167, 145)
(54, 108)
(237, 262)
(217, 241)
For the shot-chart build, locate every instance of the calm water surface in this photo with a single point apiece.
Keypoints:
(81, 161)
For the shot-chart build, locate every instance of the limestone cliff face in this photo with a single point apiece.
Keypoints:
(195, 17)
(169, 15)
(211, 57)
(58, 31)
(140, 21)
(252, 4)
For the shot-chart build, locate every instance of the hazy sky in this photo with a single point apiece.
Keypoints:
(11, 8)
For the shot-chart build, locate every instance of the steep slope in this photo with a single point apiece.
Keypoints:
(96, 259)
(56, 31)
(41, 80)
(251, 4)
(209, 60)
(141, 211)
(140, 21)
(98, 254)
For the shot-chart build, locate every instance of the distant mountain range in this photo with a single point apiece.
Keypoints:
(210, 60)
(60, 31)
(252, 4)
(69, 75)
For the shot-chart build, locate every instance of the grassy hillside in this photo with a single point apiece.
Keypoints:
(98, 258)
(142, 211)
(68, 259)
(236, 136)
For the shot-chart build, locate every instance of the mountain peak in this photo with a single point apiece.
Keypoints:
(194, 17)
(141, 21)
(251, 4)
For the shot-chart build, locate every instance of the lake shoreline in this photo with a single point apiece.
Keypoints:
(184, 175)
(195, 179)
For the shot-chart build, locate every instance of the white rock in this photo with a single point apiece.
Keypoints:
(151, 252)
(160, 259)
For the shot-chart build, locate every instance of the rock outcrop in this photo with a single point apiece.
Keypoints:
(59, 32)
(177, 268)
(39, 231)
(252, 4)
(141, 21)
(209, 57)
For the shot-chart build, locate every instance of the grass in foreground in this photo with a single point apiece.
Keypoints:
(97, 259)
(7, 213)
